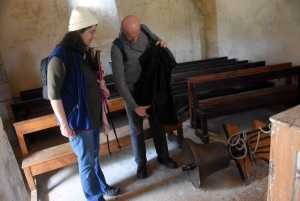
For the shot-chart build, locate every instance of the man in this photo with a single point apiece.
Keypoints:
(126, 75)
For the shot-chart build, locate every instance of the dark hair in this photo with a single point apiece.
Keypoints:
(73, 41)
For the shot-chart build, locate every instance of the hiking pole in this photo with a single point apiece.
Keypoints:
(112, 123)
(108, 148)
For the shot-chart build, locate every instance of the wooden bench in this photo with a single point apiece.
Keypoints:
(181, 65)
(180, 82)
(227, 72)
(62, 155)
(206, 65)
(204, 109)
(33, 105)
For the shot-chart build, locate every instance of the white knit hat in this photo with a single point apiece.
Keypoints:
(81, 18)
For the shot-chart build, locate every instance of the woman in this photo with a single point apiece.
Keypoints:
(75, 97)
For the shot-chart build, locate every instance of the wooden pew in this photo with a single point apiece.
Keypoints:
(225, 74)
(37, 92)
(183, 64)
(180, 78)
(180, 82)
(201, 66)
(33, 105)
(62, 155)
(204, 109)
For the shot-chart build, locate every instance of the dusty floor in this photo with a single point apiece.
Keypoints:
(163, 183)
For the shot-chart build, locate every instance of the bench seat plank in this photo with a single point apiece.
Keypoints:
(47, 154)
(205, 113)
(242, 101)
(183, 64)
(203, 80)
(249, 103)
(201, 65)
(245, 95)
(179, 78)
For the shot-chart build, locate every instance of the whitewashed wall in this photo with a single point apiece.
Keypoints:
(260, 30)
(30, 29)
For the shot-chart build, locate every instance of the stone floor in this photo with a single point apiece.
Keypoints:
(163, 183)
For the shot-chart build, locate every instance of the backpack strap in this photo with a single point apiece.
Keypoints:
(119, 43)
(147, 34)
(69, 59)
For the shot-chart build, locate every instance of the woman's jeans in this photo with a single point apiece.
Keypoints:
(86, 147)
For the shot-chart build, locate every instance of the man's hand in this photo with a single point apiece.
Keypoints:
(141, 111)
(161, 43)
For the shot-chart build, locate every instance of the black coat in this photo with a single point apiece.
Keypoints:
(154, 87)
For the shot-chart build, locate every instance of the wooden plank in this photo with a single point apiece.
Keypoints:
(29, 179)
(61, 155)
(217, 76)
(58, 162)
(205, 113)
(180, 65)
(249, 104)
(256, 76)
(32, 125)
(36, 124)
(179, 78)
(38, 104)
(206, 65)
(245, 165)
(116, 104)
(244, 95)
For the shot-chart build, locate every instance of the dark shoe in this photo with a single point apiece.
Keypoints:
(141, 171)
(168, 162)
(112, 191)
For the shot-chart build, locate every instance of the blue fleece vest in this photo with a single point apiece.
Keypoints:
(74, 93)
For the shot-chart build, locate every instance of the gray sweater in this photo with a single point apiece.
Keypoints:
(127, 73)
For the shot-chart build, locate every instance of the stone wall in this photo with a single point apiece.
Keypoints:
(5, 101)
(12, 186)
(31, 29)
(260, 30)
(208, 9)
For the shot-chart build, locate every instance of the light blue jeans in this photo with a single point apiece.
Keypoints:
(86, 147)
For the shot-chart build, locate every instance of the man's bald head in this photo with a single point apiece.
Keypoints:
(130, 26)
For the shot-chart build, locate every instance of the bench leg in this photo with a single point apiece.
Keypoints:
(195, 120)
(31, 184)
(203, 134)
(176, 138)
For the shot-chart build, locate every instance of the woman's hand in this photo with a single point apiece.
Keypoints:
(103, 87)
(67, 131)
(101, 83)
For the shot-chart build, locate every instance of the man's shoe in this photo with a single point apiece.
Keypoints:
(112, 191)
(141, 171)
(168, 162)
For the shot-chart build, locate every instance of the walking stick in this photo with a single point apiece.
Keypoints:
(96, 59)
(112, 124)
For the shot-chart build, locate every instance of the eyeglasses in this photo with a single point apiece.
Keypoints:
(93, 32)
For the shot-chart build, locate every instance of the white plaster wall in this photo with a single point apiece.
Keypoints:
(260, 30)
(30, 29)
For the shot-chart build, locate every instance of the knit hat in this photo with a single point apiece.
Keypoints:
(81, 18)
